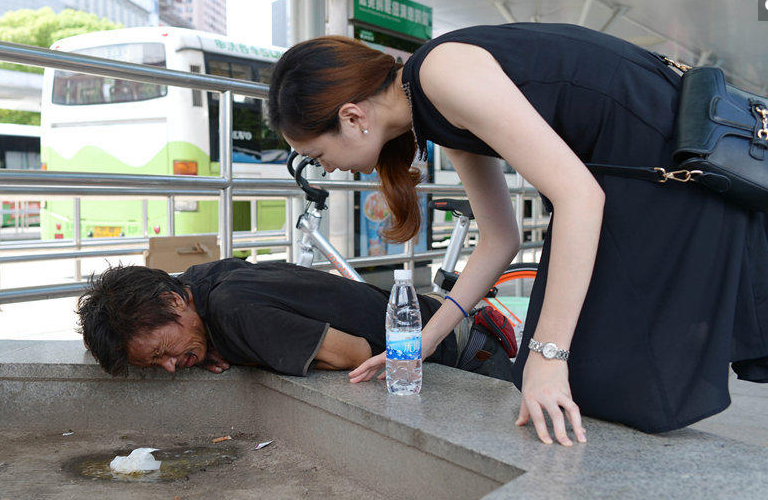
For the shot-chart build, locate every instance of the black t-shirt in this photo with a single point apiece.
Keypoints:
(276, 314)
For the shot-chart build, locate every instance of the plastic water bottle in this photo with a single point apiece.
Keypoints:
(403, 326)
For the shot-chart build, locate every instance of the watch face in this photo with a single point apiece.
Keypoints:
(549, 350)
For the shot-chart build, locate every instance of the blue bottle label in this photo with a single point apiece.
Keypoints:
(407, 349)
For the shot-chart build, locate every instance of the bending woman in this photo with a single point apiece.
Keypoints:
(651, 289)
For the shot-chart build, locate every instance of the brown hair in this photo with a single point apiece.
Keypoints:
(313, 80)
(121, 304)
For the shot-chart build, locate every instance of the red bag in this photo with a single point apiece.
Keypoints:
(500, 326)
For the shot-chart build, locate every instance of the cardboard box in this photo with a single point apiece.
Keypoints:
(174, 254)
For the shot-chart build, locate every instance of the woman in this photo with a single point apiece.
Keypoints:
(652, 288)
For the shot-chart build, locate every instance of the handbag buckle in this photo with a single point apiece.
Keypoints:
(763, 132)
(682, 67)
(677, 175)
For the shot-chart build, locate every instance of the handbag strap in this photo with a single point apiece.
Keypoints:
(660, 175)
(691, 170)
(650, 174)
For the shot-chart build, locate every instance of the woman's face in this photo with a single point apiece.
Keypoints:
(348, 150)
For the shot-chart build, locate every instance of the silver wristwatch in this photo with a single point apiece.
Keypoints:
(548, 350)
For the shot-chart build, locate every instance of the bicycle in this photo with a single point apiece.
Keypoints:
(509, 294)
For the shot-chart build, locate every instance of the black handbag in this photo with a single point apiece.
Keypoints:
(721, 140)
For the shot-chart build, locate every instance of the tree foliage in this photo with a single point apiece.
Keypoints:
(20, 117)
(42, 27)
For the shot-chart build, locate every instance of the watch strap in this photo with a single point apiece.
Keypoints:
(537, 346)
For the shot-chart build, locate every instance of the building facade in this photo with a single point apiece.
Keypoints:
(280, 23)
(204, 15)
(129, 13)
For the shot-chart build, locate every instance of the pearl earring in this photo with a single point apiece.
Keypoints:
(365, 130)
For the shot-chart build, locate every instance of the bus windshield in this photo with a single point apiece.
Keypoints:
(73, 89)
(252, 139)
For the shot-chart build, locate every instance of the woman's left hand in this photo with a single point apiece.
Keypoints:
(545, 387)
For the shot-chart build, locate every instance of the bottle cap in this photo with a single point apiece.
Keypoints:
(403, 274)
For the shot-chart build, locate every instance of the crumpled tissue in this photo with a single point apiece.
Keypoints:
(139, 460)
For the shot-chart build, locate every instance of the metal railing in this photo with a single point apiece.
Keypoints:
(224, 188)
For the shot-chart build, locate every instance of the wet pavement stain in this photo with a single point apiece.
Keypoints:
(177, 463)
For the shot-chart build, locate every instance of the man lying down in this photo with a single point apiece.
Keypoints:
(273, 314)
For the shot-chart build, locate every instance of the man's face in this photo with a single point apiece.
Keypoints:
(171, 346)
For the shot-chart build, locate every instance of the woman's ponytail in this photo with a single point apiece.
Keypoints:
(398, 185)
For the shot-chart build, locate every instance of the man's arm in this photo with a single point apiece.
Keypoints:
(338, 351)
(282, 339)
(341, 351)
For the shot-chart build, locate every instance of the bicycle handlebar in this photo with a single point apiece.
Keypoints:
(289, 163)
(316, 195)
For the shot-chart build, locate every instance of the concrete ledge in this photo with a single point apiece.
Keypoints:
(456, 440)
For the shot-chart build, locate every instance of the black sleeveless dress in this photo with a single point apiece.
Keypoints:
(680, 284)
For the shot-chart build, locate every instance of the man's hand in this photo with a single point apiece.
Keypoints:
(213, 362)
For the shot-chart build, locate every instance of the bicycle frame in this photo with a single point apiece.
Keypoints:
(452, 252)
(309, 224)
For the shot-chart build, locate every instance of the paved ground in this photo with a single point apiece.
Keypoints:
(50, 466)
(746, 419)
(47, 319)
(14, 234)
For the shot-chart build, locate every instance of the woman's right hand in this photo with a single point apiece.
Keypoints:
(372, 365)
(369, 368)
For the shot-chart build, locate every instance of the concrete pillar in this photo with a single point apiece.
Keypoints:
(337, 17)
(341, 229)
(306, 20)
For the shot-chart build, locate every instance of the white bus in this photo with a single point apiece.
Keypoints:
(19, 146)
(20, 150)
(97, 124)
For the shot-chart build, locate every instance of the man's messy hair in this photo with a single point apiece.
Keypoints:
(121, 304)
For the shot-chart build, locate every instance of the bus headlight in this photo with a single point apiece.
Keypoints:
(185, 206)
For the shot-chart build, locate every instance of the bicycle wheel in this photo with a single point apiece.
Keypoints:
(513, 294)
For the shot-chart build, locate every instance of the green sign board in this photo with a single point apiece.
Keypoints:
(401, 16)
(240, 49)
(386, 40)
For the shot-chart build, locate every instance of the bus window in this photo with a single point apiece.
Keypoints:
(19, 147)
(197, 95)
(274, 148)
(252, 140)
(218, 68)
(73, 89)
(265, 74)
(242, 72)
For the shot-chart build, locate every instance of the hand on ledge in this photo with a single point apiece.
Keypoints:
(213, 362)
